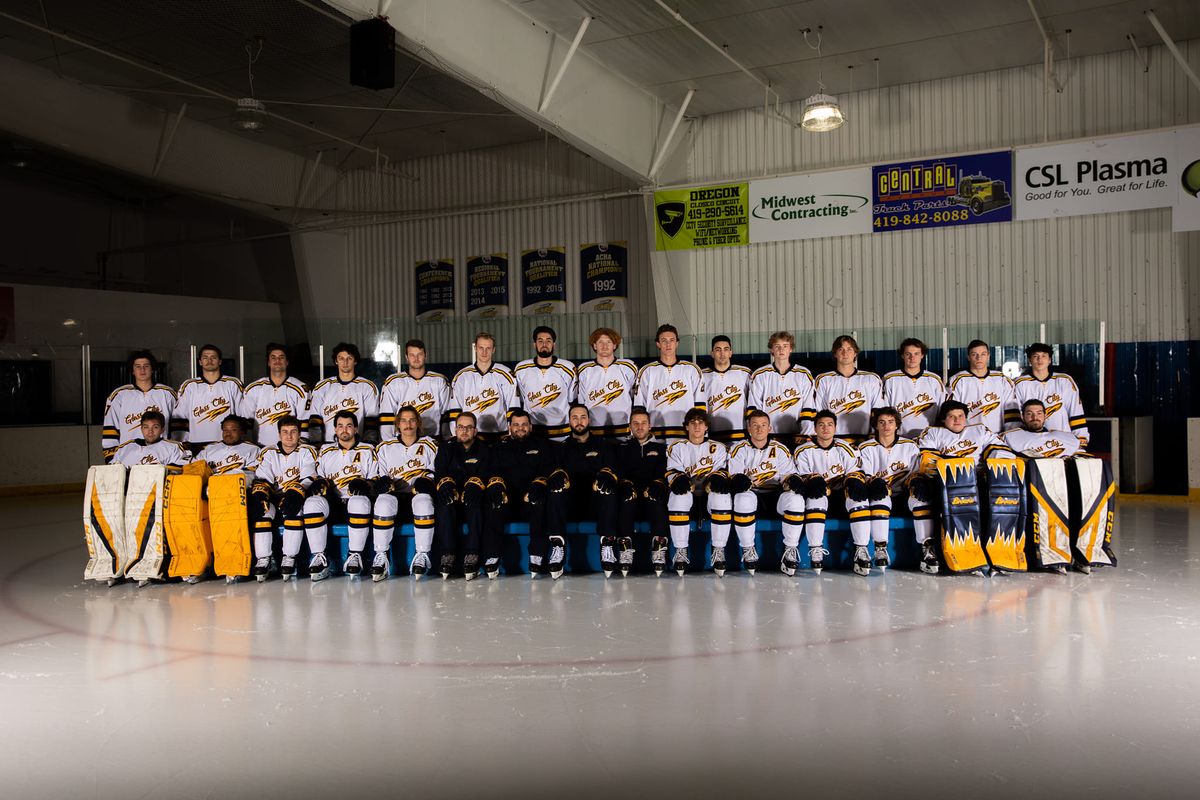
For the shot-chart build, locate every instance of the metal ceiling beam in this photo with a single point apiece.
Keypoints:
(1183, 64)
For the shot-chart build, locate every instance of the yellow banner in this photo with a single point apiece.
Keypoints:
(708, 216)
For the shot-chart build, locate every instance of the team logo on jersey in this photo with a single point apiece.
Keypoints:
(965, 447)
(607, 394)
(1053, 404)
(348, 404)
(550, 392)
(918, 409)
(135, 420)
(670, 217)
(671, 394)
(483, 401)
(1051, 449)
(783, 402)
(423, 403)
(984, 409)
(850, 405)
(765, 472)
(148, 459)
(722, 402)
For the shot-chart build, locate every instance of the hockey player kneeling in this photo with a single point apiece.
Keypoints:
(341, 493)
(952, 453)
(1071, 495)
(697, 465)
(758, 470)
(822, 466)
(281, 479)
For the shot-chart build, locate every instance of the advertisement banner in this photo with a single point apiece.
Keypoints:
(939, 192)
(487, 286)
(544, 280)
(1122, 173)
(709, 216)
(603, 271)
(1186, 215)
(811, 206)
(435, 290)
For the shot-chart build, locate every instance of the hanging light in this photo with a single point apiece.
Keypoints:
(821, 111)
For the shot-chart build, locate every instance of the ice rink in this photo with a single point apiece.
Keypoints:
(900, 685)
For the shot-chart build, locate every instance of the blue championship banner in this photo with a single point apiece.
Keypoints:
(544, 280)
(487, 286)
(603, 267)
(435, 290)
(937, 192)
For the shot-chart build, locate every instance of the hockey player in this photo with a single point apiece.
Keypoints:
(725, 393)
(1056, 390)
(525, 465)
(915, 392)
(591, 490)
(425, 390)
(233, 453)
(641, 466)
(783, 390)
(486, 390)
(151, 448)
(848, 392)
(668, 388)
(887, 463)
(340, 493)
(270, 399)
(346, 391)
(205, 401)
(462, 470)
(403, 491)
(987, 393)
(822, 465)
(606, 385)
(546, 386)
(125, 406)
(1034, 440)
(697, 466)
(281, 479)
(763, 481)
(953, 437)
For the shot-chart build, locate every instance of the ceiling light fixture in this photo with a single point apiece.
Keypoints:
(821, 111)
(250, 114)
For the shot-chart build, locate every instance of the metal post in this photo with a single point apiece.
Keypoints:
(242, 363)
(85, 363)
(945, 355)
(562, 68)
(1103, 404)
(162, 154)
(662, 151)
(192, 353)
(321, 362)
(1183, 64)
(1042, 332)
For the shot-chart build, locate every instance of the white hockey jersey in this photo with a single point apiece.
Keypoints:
(786, 397)
(123, 413)
(332, 395)
(894, 464)
(1042, 444)
(1059, 393)
(668, 393)
(608, 394)
(547, 393)
(224, 459)
(973, 442)
(488, 395)
(766, 467)
(917, 398)
(852, 398)
(166, 452)
(266, 404)
(725, 394)
(429, 395)
(406, 462)
(697, 461)
(203, 405)
(832, 463)
(344, 465)
(294, 470)
(987, 399)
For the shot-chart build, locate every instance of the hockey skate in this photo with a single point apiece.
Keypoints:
(658, 555)
(536, 567)
(862, 561)
(816, 558)
(318, 567)
(882, 562)
(191, 579)
(1108, 551)
(420, 566)
(447, 566)
(287, 568)
(681, 561)
(231, 579)
(491, 568)
(381, 567)
(558, 554)
(750, 559)
(353, 565)
(471, 566)
(262, 569)
(790, 560)
(608, 555)
(718, 561)
(929, 561)
(626, 556)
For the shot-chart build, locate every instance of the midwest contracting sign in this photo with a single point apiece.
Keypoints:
(811, 206)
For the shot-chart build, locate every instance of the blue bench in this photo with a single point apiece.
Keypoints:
(583, 547)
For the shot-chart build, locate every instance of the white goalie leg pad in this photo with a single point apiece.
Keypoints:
(104, 522)
(1097, 494)
(144, 522)
(679, 515)
(1048, 508)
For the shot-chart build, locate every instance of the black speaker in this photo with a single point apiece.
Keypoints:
(373, 54)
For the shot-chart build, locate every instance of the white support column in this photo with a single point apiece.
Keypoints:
(242, 363)
(562, 68)
(945, 355)
(321, 362)
(192, 366)
(168, 137)
(85, 363)
(1103, 404)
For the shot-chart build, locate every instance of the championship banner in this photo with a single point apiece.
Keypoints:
(435, 290)
(543, 280)
(710, 216)
(1122, 173)
(603, 271)
(1186, 216)
(487, 286)
(811, 206)
(942, 192)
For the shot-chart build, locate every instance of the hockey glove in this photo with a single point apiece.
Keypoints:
(740, 483)
(877, 489)
(383, 484)
(261, 487)
(359, 487)
(657, 491)
(423, 485)
(681, 484)
(918, 487)
(627, 492)
(495, 493)
(447, 492)
(292, 504)
(537, 493)
(606, 482)
(317, 488)
(717, 484)
(856, 490)
(814, 487)
(473, 492)
(558, 481)
(794, 484)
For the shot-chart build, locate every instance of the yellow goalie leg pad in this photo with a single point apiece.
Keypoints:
(144, 522)
(104, 522)
(232, 547)
(187, 525)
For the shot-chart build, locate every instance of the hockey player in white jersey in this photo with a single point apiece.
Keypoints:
(486, 389)
(340, 493)
(205, 401)
(281, 478)
(1034, 440)
(605, 385)
(725, 393)
(1056, 390)
(125, 406)
(546, 386)
(233, 453)
(851, 394)
(404, 490)
(345, 391)
(151, 448)
(763, 481)
(952, 437)
(986, 392)
(822, 465)
(425, 390)
(669, 388)
(913, 391)
(783, 390)
(697, 466)
(271, 398)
